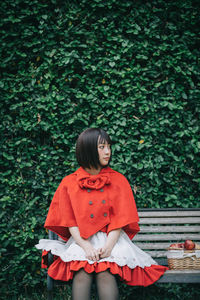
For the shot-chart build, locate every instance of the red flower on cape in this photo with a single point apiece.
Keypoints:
(94, 182)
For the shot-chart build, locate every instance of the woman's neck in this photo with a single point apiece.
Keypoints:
(93, 171)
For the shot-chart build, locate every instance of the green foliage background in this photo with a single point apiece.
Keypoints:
(130, 67)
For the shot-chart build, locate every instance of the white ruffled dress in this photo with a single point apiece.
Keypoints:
(133, 265)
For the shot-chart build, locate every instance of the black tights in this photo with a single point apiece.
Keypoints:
(106, 286)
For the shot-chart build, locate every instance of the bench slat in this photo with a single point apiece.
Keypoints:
(185, 220)
(180, 276)
(155, 246)
(167, 237)
(169, 229)
(177, 213)
(161, 261)
(157, 253)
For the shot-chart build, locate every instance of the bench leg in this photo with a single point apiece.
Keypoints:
(50, 281)
(49, 295)
(49, 288)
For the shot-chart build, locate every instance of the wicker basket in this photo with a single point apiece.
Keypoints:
(183, 259)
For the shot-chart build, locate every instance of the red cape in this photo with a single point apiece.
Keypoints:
(93, 203)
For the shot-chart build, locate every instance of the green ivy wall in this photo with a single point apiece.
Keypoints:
(130, 67)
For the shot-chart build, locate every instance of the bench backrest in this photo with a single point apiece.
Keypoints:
(161, 227)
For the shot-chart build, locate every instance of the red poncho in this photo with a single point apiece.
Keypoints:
(93, 202)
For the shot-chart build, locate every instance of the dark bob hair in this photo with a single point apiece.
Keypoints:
(86, 147)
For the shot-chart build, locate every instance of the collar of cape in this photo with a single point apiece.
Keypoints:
(94, 182)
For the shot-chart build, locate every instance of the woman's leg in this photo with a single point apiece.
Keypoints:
(107, 286)
(81, 286)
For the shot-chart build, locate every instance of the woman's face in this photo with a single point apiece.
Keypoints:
(104, 151)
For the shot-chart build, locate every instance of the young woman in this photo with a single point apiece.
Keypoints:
(94, 213)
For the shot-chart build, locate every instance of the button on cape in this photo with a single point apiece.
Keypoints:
(93, 203)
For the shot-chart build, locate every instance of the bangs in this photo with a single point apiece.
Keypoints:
(103, 138)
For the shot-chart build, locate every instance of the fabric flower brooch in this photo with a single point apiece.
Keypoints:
(94, 182)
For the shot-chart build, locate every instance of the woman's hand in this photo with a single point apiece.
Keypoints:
(104, 252)
(112, 239)
(90, 252)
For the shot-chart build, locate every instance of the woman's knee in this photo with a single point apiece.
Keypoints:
(83, 276)
(107, 286)
(105, 277)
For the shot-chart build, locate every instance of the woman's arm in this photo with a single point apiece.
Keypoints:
(110, 243)
(90, 252)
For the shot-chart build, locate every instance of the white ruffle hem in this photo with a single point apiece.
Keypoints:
(124, 253)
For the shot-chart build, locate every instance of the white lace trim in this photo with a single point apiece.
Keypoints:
(182, 254)
(124, 252)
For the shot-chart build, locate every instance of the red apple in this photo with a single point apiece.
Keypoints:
(189, 245)
(176, 245)
(181, 245)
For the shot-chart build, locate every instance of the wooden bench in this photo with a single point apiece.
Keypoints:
(159, 229)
